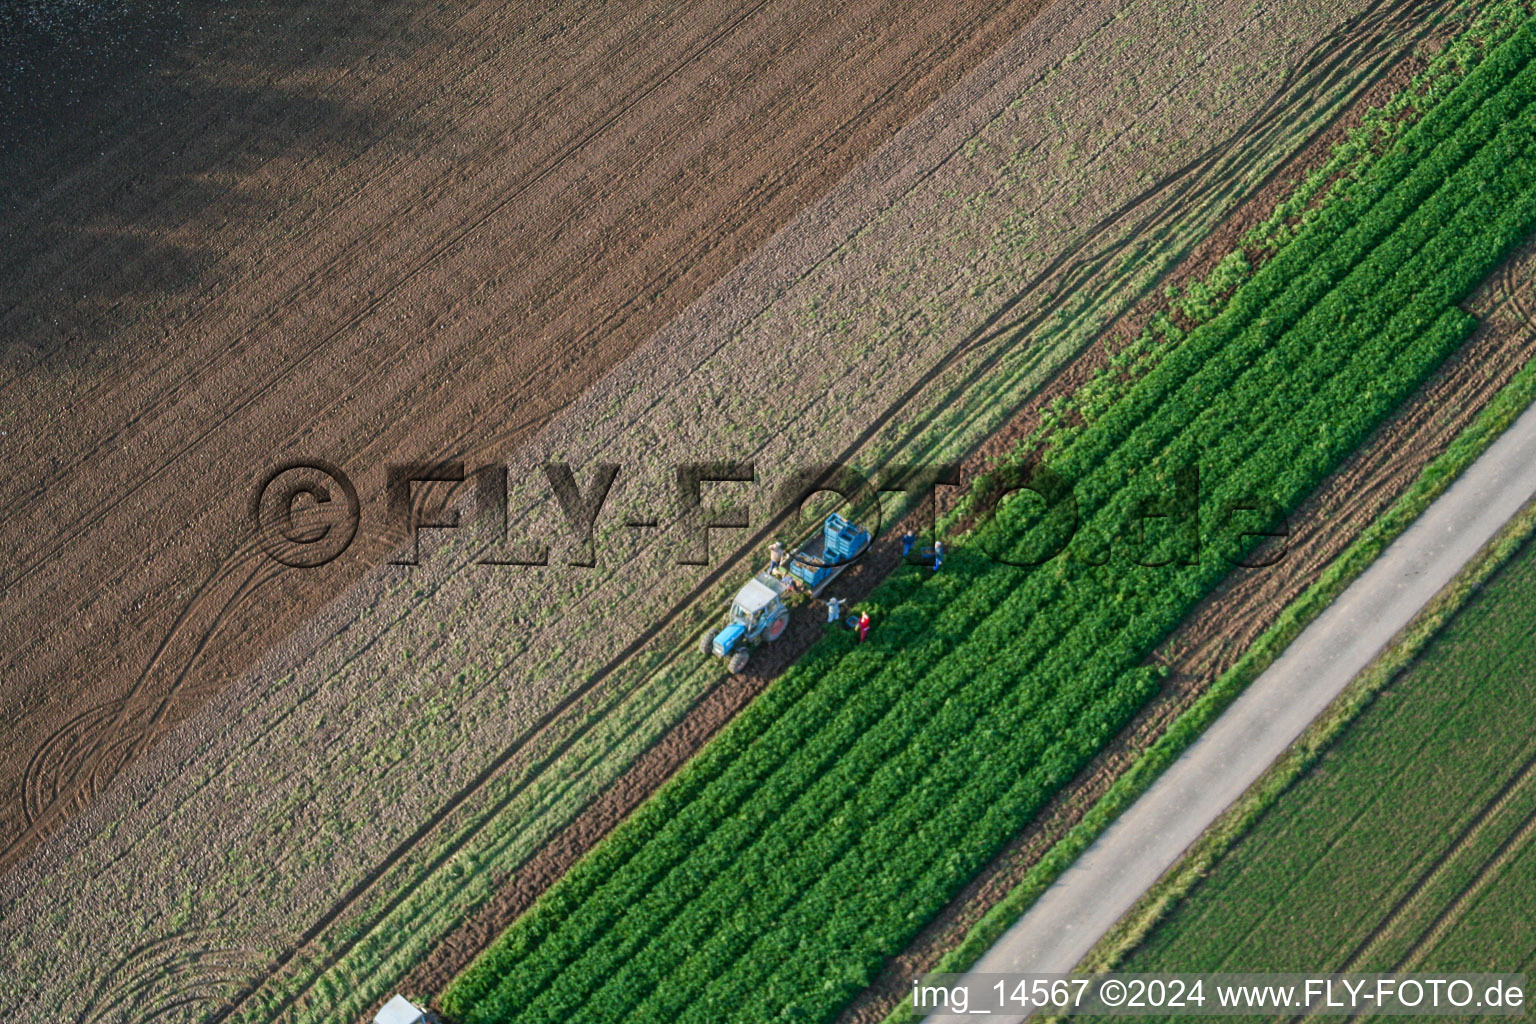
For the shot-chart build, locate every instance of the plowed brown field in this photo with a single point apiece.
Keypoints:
(366, 235)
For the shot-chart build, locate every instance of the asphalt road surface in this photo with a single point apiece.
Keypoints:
(1075, 912)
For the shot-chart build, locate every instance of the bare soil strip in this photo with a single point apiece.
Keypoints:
(417, 243)
(315, 788)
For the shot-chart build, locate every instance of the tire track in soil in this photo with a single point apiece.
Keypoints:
(69, 768)
(1328, 62)
(161, 978)
(1516, 292)
(1448, 918)
(487, 448)
(1465, 838)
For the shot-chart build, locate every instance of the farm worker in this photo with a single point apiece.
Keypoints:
(775, 556)
(863, 626)
(938, 554)
(834, 609)
(907, 540)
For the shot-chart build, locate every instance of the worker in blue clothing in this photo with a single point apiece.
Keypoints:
(907, 540)
(775, 557)
(938, 554)
(834, 610)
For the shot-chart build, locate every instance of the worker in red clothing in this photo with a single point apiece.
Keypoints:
(863, 626)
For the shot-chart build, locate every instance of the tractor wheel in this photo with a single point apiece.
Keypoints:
(738, 662)
(707, 642)
(777, 626)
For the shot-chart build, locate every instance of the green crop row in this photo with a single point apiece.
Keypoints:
(846, 805)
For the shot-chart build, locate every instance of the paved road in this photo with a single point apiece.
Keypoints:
(1149, 837)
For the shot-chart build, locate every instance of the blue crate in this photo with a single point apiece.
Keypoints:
(844, 541)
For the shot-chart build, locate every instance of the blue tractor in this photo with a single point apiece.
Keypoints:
(758, 614)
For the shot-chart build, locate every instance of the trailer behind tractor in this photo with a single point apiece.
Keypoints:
(758, 614)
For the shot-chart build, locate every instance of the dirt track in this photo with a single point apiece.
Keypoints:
(366, 235)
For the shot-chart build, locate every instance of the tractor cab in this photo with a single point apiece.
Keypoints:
(757, 601)
(757, 615)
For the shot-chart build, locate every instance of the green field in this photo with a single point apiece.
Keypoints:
(1408, 844)
(846, 805)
